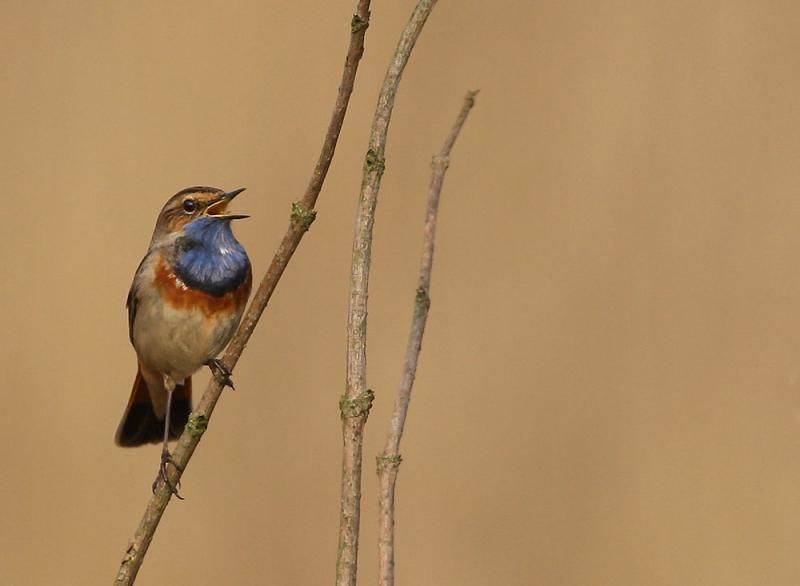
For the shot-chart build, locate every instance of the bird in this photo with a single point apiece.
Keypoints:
(184, 305)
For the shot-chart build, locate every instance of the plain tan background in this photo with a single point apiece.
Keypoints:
(609, 391)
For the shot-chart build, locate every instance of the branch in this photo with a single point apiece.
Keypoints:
(302, 216)
(357, 400)
(389, 461)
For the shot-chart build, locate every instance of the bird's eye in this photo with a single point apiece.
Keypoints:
(189, 206)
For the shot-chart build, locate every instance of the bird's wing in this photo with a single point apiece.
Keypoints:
(133, 298)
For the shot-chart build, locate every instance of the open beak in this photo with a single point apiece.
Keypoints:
(219, 209)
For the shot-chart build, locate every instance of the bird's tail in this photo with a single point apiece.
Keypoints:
(140, 425)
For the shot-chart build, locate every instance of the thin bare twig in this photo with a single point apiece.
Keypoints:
(357, 399)
(389, 461)
(302, 216)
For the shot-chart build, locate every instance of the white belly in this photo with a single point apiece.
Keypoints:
(177, 342)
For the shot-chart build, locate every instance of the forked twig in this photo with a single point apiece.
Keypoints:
(357, 399)
(389, 461)
(302, 216)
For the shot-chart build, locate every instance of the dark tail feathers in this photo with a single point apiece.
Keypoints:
(140, 425)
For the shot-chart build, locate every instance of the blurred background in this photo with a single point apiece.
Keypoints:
(609, 390)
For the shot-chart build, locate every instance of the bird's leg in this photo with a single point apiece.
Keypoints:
(166, 457)
(220, 372)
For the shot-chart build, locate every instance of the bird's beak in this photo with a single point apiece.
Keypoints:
(219, 209)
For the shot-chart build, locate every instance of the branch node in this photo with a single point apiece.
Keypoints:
(130, 555)
(375, 162)
(197, 424)
(358, 24)
(358, 406)
(422, 300)
(302, 216)
(440, 162)
(388, 462)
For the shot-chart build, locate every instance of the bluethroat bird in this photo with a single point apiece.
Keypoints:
(184, 305)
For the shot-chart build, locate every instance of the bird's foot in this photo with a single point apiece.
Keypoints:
(221, 372)
(166, 460)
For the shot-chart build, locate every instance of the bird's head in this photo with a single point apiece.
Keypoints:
(196, 209)
(197, 203)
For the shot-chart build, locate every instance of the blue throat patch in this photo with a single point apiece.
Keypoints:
(210, 258)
